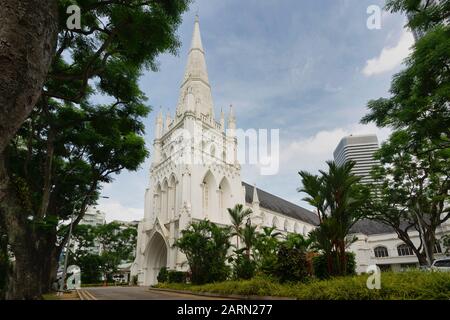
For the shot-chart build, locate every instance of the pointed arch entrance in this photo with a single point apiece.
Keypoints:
(156, 258)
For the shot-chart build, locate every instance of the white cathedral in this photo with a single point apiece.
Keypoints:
(181, 192)
(195, 175)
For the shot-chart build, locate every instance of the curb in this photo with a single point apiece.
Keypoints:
(229, 296)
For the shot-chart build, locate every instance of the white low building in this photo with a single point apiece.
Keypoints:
(378, 244)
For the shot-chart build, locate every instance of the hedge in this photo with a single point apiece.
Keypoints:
(408, 285)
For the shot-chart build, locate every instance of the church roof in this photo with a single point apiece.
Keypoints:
(277, 204)
(284, 207)
(370, 227)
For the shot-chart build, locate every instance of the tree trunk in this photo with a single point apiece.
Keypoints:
(28, 36)
(343, 257)
(32, 270)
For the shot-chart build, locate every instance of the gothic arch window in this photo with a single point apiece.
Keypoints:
(404, 250)
(172, 195)
(213, 151)
(208, 190)
(286, 225)
(381, 252)
(297, 228)
(275, 222)
(165, 201)
(225, 197)
(305, 231)
(157, 202)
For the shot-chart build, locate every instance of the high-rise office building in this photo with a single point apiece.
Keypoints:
(361, 149)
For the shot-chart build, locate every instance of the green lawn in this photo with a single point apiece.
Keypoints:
(394, 286)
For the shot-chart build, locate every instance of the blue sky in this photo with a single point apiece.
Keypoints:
(307, 68)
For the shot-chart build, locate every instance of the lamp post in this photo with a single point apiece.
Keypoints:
(66, 257)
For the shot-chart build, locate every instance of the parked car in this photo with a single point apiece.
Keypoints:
(441, 265)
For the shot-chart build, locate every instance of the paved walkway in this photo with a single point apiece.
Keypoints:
(138, 293)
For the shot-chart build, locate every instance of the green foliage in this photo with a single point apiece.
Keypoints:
(206, 245)
(163, 275)
(71, 145)
(244, 267)
(297, 241)
(291, 264)
(320, 265)
(117, 244)
(421, 14)
(174, 276)
(410, 285)
(266, 248)
(340, 201)
(90, 268)
(237, 216)
(171, 276)
(412, 189)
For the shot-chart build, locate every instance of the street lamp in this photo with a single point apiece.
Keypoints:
(66, 258)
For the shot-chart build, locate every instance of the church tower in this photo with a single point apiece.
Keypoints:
(194, 173)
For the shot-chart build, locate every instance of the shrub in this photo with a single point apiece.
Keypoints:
(320, 265)
(163, 275)
(291, 264)
(243, 267)
(174, 276)
(206, 246)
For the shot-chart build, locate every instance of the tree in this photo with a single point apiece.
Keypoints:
(206, 247)
(295, 240)
(237, 215)
(27, 45)
(339, 200)
(244, 259)
(291, 264)
(68, 147)
(412, 189)
(411, 193)
(116, 245)
(266, 248)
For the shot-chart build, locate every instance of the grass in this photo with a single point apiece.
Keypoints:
(72, 295)
(410, 285)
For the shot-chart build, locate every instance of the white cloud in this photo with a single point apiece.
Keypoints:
(311, 153)
(116, 211)
(390, 57)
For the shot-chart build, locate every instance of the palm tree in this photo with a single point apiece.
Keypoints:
(313, 187)
(339, 198)
(237, 215)
(298, 241)
(249, 236)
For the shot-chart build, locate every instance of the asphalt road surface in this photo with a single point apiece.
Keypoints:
(139, 293)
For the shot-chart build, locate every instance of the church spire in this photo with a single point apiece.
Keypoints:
(195, 91)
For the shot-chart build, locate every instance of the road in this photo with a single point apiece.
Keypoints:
(139, 293)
